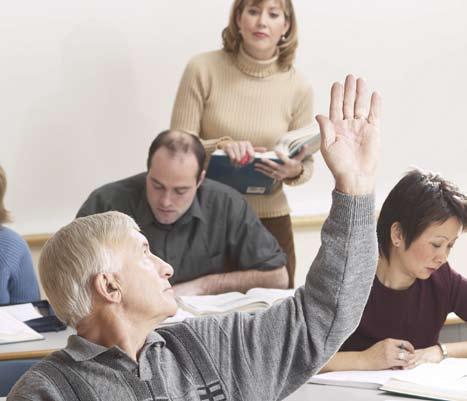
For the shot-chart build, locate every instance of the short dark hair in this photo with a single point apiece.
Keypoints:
(418, 200)
(179, 142)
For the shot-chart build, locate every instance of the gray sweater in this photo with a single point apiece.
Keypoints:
(241, 356)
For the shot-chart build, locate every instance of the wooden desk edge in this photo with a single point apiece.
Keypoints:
(8, 356)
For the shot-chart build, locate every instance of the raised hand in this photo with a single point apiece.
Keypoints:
(350, 136)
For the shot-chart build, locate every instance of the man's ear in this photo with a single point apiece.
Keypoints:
(107, 287)
(202, 176)
(397, 237)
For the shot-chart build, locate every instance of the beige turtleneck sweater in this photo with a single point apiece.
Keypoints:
(225, 97)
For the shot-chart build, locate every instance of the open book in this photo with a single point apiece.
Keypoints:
(446, 380)
(254, 299)
(12, 328)
(246, 179)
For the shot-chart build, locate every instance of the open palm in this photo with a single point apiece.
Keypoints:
(350, 136)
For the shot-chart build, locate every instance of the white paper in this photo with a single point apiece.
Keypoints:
(22, 312)
(449, 372)
(13, 330)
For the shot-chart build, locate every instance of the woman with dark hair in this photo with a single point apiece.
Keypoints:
(414, 288)
(245, 97)
(18, 281)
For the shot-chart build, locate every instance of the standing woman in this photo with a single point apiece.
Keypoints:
(18, 281)
(245, 97)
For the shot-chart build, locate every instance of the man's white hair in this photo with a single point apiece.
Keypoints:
(75, 255)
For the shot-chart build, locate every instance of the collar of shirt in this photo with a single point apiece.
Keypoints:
(81, 349)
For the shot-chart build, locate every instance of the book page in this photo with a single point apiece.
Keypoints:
(180, 316)
(22, 312)
(211, 304)
(354, 378)
(292, 141)
(270, 295)
(13, 330)
(449, 372)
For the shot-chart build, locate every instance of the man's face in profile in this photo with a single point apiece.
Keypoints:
(144, 280)
(171, 184)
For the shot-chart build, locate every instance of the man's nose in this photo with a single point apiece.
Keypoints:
(167, 270)
(166, 199)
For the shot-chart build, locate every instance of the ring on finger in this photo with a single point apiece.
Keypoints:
(401, 356)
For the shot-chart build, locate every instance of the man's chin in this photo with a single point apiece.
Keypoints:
(166, 219)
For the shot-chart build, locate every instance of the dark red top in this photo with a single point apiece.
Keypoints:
(416, 314)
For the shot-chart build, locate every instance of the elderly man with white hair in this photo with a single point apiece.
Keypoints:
(101, 278)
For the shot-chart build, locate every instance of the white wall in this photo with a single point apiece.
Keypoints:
(85, 85)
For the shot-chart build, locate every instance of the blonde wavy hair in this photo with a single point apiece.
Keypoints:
(4, 214)
(231, 38)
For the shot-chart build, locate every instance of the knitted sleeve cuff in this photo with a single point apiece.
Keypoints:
(305, 175)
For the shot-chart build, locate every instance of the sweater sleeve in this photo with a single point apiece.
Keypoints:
(23, 285)
(302, 117)
(188, 108)
(269, 354)
(18, 281)
(458, 294)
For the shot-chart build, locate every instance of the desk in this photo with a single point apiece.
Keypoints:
(54, 341)
(331, 393)
(337, 393)
(35, 349)
(454, 330)
(16, 358)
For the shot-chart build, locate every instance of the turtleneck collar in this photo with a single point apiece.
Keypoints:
(257, 68)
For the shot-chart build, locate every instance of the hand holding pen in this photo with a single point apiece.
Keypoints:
(390, 354)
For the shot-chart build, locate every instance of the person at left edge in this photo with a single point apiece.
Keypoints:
(204, 229)
(18, 283)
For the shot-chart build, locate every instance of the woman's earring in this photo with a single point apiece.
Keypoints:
(283, 38)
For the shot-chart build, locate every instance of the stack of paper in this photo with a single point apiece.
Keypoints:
(12, 328)
(446, 380)
(254, 299)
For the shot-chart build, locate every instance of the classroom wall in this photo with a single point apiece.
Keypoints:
(86, 85)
